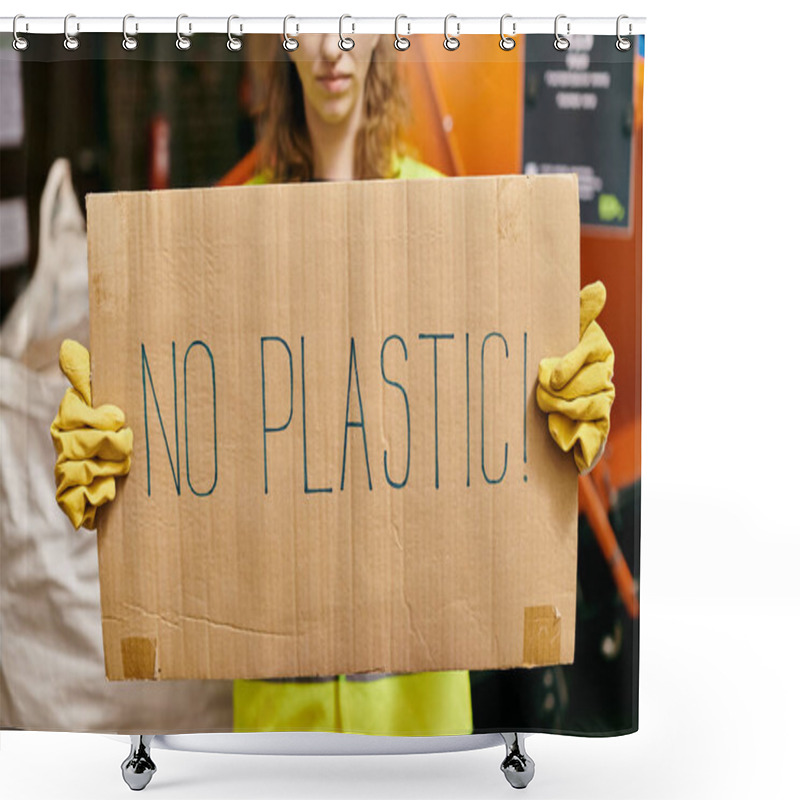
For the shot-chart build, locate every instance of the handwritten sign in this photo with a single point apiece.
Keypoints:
(338, 461)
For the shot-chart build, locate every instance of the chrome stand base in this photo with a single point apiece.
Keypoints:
(517, 766)
(138, 768)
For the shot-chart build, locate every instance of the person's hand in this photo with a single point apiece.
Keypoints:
(576, 391)
(92, 445)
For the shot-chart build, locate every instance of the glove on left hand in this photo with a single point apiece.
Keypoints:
(576, 391)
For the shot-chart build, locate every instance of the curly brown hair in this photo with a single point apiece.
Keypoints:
(284, 144)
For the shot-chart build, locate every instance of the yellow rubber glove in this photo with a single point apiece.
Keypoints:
(576, 391)
(92, 444)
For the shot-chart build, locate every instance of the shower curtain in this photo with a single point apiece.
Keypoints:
(103, 118)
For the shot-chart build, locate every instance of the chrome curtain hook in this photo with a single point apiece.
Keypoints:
(182, 42)
(290, 44)
(20, 43)
(561, 42)
(129, 42)
(70, 42)
(506, 42)
(234, 42)
(622, 43)
(451, 42)
(345, 43)
(400, 42)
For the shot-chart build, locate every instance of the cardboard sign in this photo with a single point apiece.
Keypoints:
(339, 465)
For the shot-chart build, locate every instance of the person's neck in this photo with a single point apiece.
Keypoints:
(333, 145)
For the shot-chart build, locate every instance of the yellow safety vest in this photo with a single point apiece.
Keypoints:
(419, 704)
(407, 168)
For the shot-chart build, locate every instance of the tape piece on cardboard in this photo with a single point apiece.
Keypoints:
(541, 643)
(138, 658)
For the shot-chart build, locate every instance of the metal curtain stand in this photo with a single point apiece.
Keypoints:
(138, 768)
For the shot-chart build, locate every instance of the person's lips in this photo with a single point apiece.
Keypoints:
(335, 83)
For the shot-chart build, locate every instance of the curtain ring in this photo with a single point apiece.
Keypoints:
(182, 42)
(622, 43)
(20, 43)
(234, 42)
(70, 42)
(290, 44)
(451, 42)
(506, 42)
(129, 42)
(400, 42)
(345, 43)
(561, 43)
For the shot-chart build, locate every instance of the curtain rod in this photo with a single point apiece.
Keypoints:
(456, 26)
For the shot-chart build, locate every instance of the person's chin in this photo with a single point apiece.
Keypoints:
(336, 110)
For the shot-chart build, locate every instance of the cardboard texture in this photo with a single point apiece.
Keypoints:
(339, 465)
